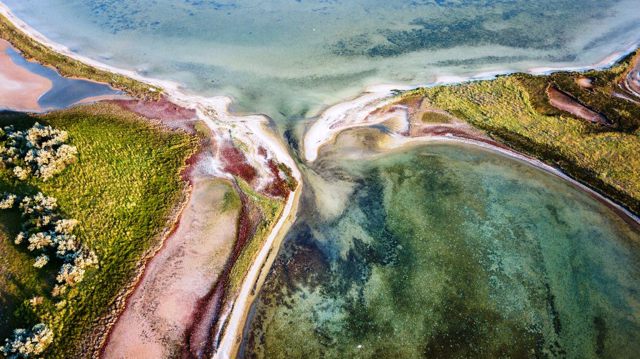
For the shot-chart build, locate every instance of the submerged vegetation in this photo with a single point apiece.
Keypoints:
(123, 189)
(451, 251)
(70, 67)
(515, 110)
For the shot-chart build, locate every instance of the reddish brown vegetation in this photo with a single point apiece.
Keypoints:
(262, 152)
(283, 183)
(201, 335)
(161, 109)
(235, 162)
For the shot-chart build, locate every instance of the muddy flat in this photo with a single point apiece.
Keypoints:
(162, 306)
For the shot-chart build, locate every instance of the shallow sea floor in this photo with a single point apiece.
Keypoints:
(289, 58)
(452, 252)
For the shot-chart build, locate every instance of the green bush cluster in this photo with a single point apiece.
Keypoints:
(39, 151)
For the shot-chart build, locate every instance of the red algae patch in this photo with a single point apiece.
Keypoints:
(164, 304)
(235, 162)
(162, 109)
(283, 182)
(20, 88)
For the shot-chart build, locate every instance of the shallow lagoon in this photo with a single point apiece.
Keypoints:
(289, 59)
(452, 252)
(64, 91)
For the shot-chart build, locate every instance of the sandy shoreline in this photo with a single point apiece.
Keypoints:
(250, 130)
(231, 340)
(328, 123)
(20, 88)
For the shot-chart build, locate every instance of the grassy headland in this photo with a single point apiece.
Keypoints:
(516, 111)
(123, 190)
(69, 67)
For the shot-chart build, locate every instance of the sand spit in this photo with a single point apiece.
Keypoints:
(632, 81)
(20, 88)
(235, 317)
(250, 132)
(453, 131)
(164, 303)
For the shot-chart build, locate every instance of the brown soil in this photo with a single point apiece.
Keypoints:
(564, 102)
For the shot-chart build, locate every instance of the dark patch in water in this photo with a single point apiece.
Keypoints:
(601, 329)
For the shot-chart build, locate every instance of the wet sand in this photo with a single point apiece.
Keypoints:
(20, 88)
(163, 305)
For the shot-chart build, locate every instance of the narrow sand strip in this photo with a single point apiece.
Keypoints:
(20, 89)
(163, 305)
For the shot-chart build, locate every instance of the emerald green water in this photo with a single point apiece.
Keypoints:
(451, 252)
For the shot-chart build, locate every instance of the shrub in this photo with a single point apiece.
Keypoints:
(27, 343)
(40, 151)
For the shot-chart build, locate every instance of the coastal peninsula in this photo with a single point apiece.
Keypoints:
(205, 240)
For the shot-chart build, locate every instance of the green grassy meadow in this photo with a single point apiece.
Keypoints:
(123, 190)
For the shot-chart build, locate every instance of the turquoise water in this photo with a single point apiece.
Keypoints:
(64, 91)
(290, 58)
(444, 251)
(452, 252)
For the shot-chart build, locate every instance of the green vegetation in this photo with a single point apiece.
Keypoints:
(123, 190)
(435, 117)
(69, 67)
(270, 209)
(515, 110)
(230, 200)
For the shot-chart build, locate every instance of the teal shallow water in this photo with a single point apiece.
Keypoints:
(445, 251)
(453, 252)
(289, 58)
